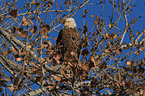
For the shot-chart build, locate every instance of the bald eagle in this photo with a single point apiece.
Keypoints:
(68, 41)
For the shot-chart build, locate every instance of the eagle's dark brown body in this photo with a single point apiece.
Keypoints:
(69, 43)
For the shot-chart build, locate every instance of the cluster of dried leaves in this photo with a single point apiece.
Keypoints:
(107, 63)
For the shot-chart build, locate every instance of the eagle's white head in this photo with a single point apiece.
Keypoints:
(70, 23)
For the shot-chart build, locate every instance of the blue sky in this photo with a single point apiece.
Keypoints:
(96, 10)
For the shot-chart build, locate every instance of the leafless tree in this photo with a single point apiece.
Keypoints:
(108, 64)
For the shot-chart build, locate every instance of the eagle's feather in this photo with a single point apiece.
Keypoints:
(68, 43)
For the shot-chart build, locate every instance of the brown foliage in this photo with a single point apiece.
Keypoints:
(107, 55)
(14, 12)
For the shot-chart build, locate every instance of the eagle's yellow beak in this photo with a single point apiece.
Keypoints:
(65, 23)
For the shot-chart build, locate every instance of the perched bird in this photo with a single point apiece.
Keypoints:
(69, 41)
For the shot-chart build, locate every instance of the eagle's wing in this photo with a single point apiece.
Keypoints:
(59, 38)
(64, 37)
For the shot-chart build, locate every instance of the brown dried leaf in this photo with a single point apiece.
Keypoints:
(16, 56)
(48, 27)
(23, 34)
(19, 33)
(45, 36)
(6, 53)
(25, 63)
(92, 59)
(50, 51)
(95, 22)
(115, 36)
(34, 70)
(79, 64)
(39, 78)
(98, 61)
(57, 57)
(128, 63)
(11, 87)
(38, 5)
(54, 62)
(137, 33)
(29, 46)
(85, 11)
(62, 69)
(16, 79)
(85, 41)
(12, 72)
(52, 85)
(33, 63)
(92, 15)
(109, 92)
(85, 52)
(34, 30)
(50, 44)
(107, 35)
(14, 13)
(107, 50)
(142, 92)
(93, 63)
(110, 25)
(5, 79)
(57, 78)
(21, 52)
(128, 83)
(19, 29)
(86, 67)
(55, 39)
(103, 65)
(101, 0)
(118, 51)
(137, 52)
(44, 44)
(10, 31)
(33, 1)
(141, 49)
(25, 22)
(74, 54)
(43, 59)
(48, 59)
(19, 59)
(78, 72)
(45, 29)
(85, 29)
(123, 82)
